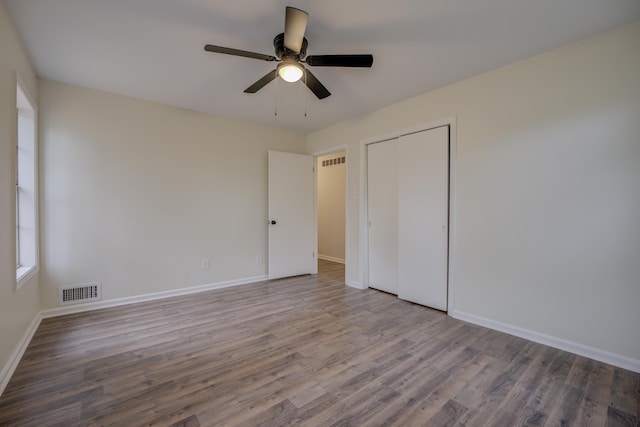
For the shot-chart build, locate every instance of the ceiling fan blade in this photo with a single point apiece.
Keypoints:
(295, 24)
(238, 52)
(271, 75)
(340, 60)
(315, 86)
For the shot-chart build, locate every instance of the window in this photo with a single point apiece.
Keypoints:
(26, 188)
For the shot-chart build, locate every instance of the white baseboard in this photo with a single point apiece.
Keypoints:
(572, 347)
(11, 365)
(330, 258)
(354, 284)
(60, 311)
(559, 343)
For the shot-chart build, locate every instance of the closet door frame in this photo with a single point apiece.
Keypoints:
(364, 231)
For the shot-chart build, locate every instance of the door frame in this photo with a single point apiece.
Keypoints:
(364, 203)
(347, 243)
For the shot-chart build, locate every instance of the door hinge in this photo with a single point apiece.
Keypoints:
(313, 254)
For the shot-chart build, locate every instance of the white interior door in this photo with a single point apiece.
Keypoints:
(382, 200)
(423, 200)
(291, 214)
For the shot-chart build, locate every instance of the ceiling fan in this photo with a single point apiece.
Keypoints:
(291, 51)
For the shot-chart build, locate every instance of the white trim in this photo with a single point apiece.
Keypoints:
(364, 231)
(314, 269)
(330, 258)
(14, 359)
(406, 131)
(580, 349)
(453, 160)
(61, 311)
(25, 273)
(23, 276)
(331, 150)
(354, 284)
(11, 365)
(559, 343)
(348, 263)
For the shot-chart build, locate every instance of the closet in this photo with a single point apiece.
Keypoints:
(408, 216)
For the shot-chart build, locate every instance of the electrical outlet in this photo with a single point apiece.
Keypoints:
(259, 260)
(205, 264)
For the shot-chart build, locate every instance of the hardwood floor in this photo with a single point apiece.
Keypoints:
(302, 351)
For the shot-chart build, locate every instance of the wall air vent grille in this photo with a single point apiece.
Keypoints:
(80, 293)
(333, 162)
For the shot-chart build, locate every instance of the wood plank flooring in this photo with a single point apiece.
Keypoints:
(302, 351)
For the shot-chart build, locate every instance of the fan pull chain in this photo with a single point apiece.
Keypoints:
(275, 101)
(305, 93)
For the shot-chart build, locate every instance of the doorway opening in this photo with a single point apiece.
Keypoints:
(331, 187)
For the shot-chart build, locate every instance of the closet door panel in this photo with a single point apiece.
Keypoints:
(423, 212)
(382, 196)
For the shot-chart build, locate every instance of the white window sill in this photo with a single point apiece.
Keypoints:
(24, 273)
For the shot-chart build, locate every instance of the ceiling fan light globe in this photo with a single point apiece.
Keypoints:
(290, 72)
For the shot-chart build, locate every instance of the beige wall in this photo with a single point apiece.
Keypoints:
(17, 308)
(547, 189)
(135, 195)
(331, 208)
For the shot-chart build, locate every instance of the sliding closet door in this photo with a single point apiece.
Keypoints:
(423, 212)
(382, 196)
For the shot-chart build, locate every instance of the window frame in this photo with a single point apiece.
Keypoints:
(26, 186)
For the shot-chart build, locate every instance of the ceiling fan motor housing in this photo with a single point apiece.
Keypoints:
(282, 52)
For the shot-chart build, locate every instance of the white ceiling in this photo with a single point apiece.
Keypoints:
(153, 49)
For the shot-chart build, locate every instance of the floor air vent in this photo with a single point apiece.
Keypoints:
(80, 293)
